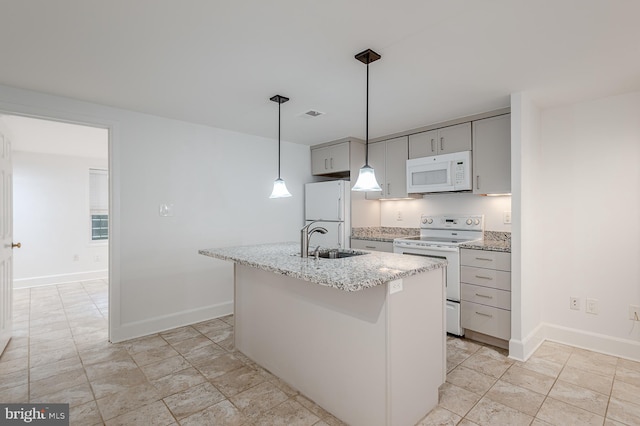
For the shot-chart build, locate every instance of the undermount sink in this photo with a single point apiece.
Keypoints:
(339, 254)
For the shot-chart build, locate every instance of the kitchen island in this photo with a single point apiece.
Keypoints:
(362, 336)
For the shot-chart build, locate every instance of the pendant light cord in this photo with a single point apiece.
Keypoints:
(366, 151)
(279, 139)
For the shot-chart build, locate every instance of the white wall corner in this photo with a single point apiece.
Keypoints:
(526, 293)
(521, 350)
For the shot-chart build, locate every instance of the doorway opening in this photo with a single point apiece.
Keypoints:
(61, 209)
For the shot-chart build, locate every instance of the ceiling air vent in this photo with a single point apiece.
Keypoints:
(311, 114)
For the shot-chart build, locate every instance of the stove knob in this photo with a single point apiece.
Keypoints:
(469, 221)
(476, 221)
(429, 221)
(424, 220)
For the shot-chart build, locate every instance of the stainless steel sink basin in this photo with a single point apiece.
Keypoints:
(339, 254)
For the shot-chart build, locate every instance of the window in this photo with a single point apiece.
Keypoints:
(99, 204)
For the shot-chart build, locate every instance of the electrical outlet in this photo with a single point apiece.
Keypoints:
(395, 286)
(506, 217)
(96, 258)
(399, 216)
(76, 257)
(574, 303)
(592, 307)
(634, 313)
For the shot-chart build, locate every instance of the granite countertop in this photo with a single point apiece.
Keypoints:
(489, 245)
(347, 274)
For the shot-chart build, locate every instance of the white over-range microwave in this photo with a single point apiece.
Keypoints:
(440, 173)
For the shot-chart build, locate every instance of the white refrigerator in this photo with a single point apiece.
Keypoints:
(329, 202)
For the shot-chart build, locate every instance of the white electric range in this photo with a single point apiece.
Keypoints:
(440, 237)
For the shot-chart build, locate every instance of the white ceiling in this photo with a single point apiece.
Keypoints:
(217, 62)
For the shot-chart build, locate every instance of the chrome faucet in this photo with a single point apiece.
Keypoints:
(305, 236)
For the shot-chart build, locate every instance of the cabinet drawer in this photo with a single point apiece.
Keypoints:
(494, 322)
(486, 259)
(486, 296)
(486, 277)
(372, 245)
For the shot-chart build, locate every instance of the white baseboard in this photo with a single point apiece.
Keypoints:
(102, 274)
(167, 322)
(621, 348)
(521, 350)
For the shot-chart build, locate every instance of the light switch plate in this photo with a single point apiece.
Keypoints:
(634, 313)
(592, 306)
(506, 216)
(165, 210)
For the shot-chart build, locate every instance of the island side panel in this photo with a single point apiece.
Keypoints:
(417, 346)
(327, 343)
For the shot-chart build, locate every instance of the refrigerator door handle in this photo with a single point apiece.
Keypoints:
(340, 200)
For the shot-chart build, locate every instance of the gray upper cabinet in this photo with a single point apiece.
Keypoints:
(440, 141)
(377, 157)
(330, 159)
(389, 160)
(396, 167)
(492, 155)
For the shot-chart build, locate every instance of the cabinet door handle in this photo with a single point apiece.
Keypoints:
(484, 258)
(477, 181)
(484, 315)
(484, 278)
(325, 164)
(388, 189)
(484, 295)
(442, 144)
(370, 247)
(331, 163)
(433, 147)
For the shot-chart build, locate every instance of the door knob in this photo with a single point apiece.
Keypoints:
(14, 245)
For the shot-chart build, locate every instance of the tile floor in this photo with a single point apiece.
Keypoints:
(559, 385)
(192, 376)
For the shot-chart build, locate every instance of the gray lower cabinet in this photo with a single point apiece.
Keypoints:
(492, 155)
(485, 292)
(372, 245)
(440, 141)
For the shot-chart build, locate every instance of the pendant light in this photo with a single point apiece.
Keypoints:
(367, 177)
(279, 187)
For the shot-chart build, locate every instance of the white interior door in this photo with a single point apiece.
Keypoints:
(6, 234)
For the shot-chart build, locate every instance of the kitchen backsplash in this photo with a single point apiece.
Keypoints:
(397, 232)
(498, 236)
(407, 213)
(376, 231)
